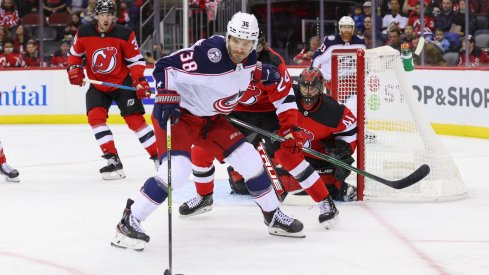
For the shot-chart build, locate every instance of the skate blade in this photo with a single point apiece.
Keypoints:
(198, 212)
(16, 179)
(329, 224)
(115, 175)
(282, 233)
(122, 241)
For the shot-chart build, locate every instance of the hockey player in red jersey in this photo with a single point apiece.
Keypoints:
(330, 128)
(270, 105)
(10, 173)
(112, 55)
(197, 87)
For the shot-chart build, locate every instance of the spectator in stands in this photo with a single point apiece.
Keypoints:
(88, 15)
(25, 6)
(395, 40)
(72, 28)
(304, 57)
(32, 57)
(20, 39)
(440, 41)
(409, 6)
(432, 55)
(444, 20)
(60, 57)
(4, 35)
(53, 6)
(459, 20)
(409, 35)
(414, 21)
(9, 58)
(121, 12)
(380, 38)
(477, 57)
(394, 17)
(76, 6)
(9, 17)
(133, 7)
(358, 17)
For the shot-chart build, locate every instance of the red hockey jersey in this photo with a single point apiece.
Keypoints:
(326, 123)
(110, 56)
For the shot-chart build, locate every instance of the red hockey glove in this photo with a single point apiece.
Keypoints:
(76, 75)
(143, 88)
(294, 139)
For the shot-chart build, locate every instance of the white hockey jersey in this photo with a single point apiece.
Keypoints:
(208, 81)
(322, 57)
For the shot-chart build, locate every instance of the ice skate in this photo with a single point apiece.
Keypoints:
(129, 233)
(9, 172)
(327, 212)
(196, 206)
(280, 224)
(156, 161)
(113, 169)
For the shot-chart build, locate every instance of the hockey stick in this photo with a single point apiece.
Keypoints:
(420, 46)
(109, 84)
(414, 177)
(168, 152)
(272, 174)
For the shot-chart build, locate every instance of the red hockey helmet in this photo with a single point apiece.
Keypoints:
(311, 84)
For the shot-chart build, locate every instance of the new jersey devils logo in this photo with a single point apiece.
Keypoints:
(308, 137)
(227, 104)
(104, 60)
(250, 97)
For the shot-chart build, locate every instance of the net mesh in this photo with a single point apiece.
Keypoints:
(398, 139)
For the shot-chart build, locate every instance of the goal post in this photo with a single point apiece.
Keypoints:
(394, 138)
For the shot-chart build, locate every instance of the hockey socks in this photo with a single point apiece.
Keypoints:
(152, 194)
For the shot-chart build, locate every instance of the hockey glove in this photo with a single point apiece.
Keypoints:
(294, 139)
(142, 86)
(76, 75)
(266, 73)
(167, 106)
(341, 151)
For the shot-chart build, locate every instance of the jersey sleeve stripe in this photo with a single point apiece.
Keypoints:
(73, 52)
(136, 58)
(285, 107)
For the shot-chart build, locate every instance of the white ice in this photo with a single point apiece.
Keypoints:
(61, 218)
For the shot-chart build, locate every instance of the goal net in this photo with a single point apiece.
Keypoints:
(394, 138)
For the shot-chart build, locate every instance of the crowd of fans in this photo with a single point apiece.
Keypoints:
(19, 43)
(399, 21)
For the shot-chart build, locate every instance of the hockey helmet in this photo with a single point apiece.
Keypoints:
(311, 84)
(346, 21)
(243, 25)
(104, 6)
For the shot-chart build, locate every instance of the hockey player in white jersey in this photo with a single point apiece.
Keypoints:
(346, 39)
(197, 87)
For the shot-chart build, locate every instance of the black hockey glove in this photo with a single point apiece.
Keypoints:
(342, 152)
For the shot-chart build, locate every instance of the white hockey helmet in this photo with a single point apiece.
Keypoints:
(245, 26)
(346, 21)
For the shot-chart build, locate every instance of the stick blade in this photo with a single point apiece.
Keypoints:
(415, 177)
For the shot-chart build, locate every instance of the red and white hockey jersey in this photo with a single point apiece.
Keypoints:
(110, 56)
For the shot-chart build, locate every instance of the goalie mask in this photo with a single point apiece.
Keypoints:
(311, 85)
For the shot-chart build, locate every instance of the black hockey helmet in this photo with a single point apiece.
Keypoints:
(104, 6)
(311, 84)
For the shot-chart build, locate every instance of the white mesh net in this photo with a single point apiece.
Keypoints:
(398, 139)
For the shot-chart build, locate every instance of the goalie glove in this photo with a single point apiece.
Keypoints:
(341, 151)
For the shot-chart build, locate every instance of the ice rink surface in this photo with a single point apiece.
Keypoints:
(61, 218)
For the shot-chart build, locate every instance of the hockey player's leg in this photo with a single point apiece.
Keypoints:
(311, 182)
(129, 233)
(145, 134)
(246, 160)
(203, 171)
(97, 119)
(10, 173)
